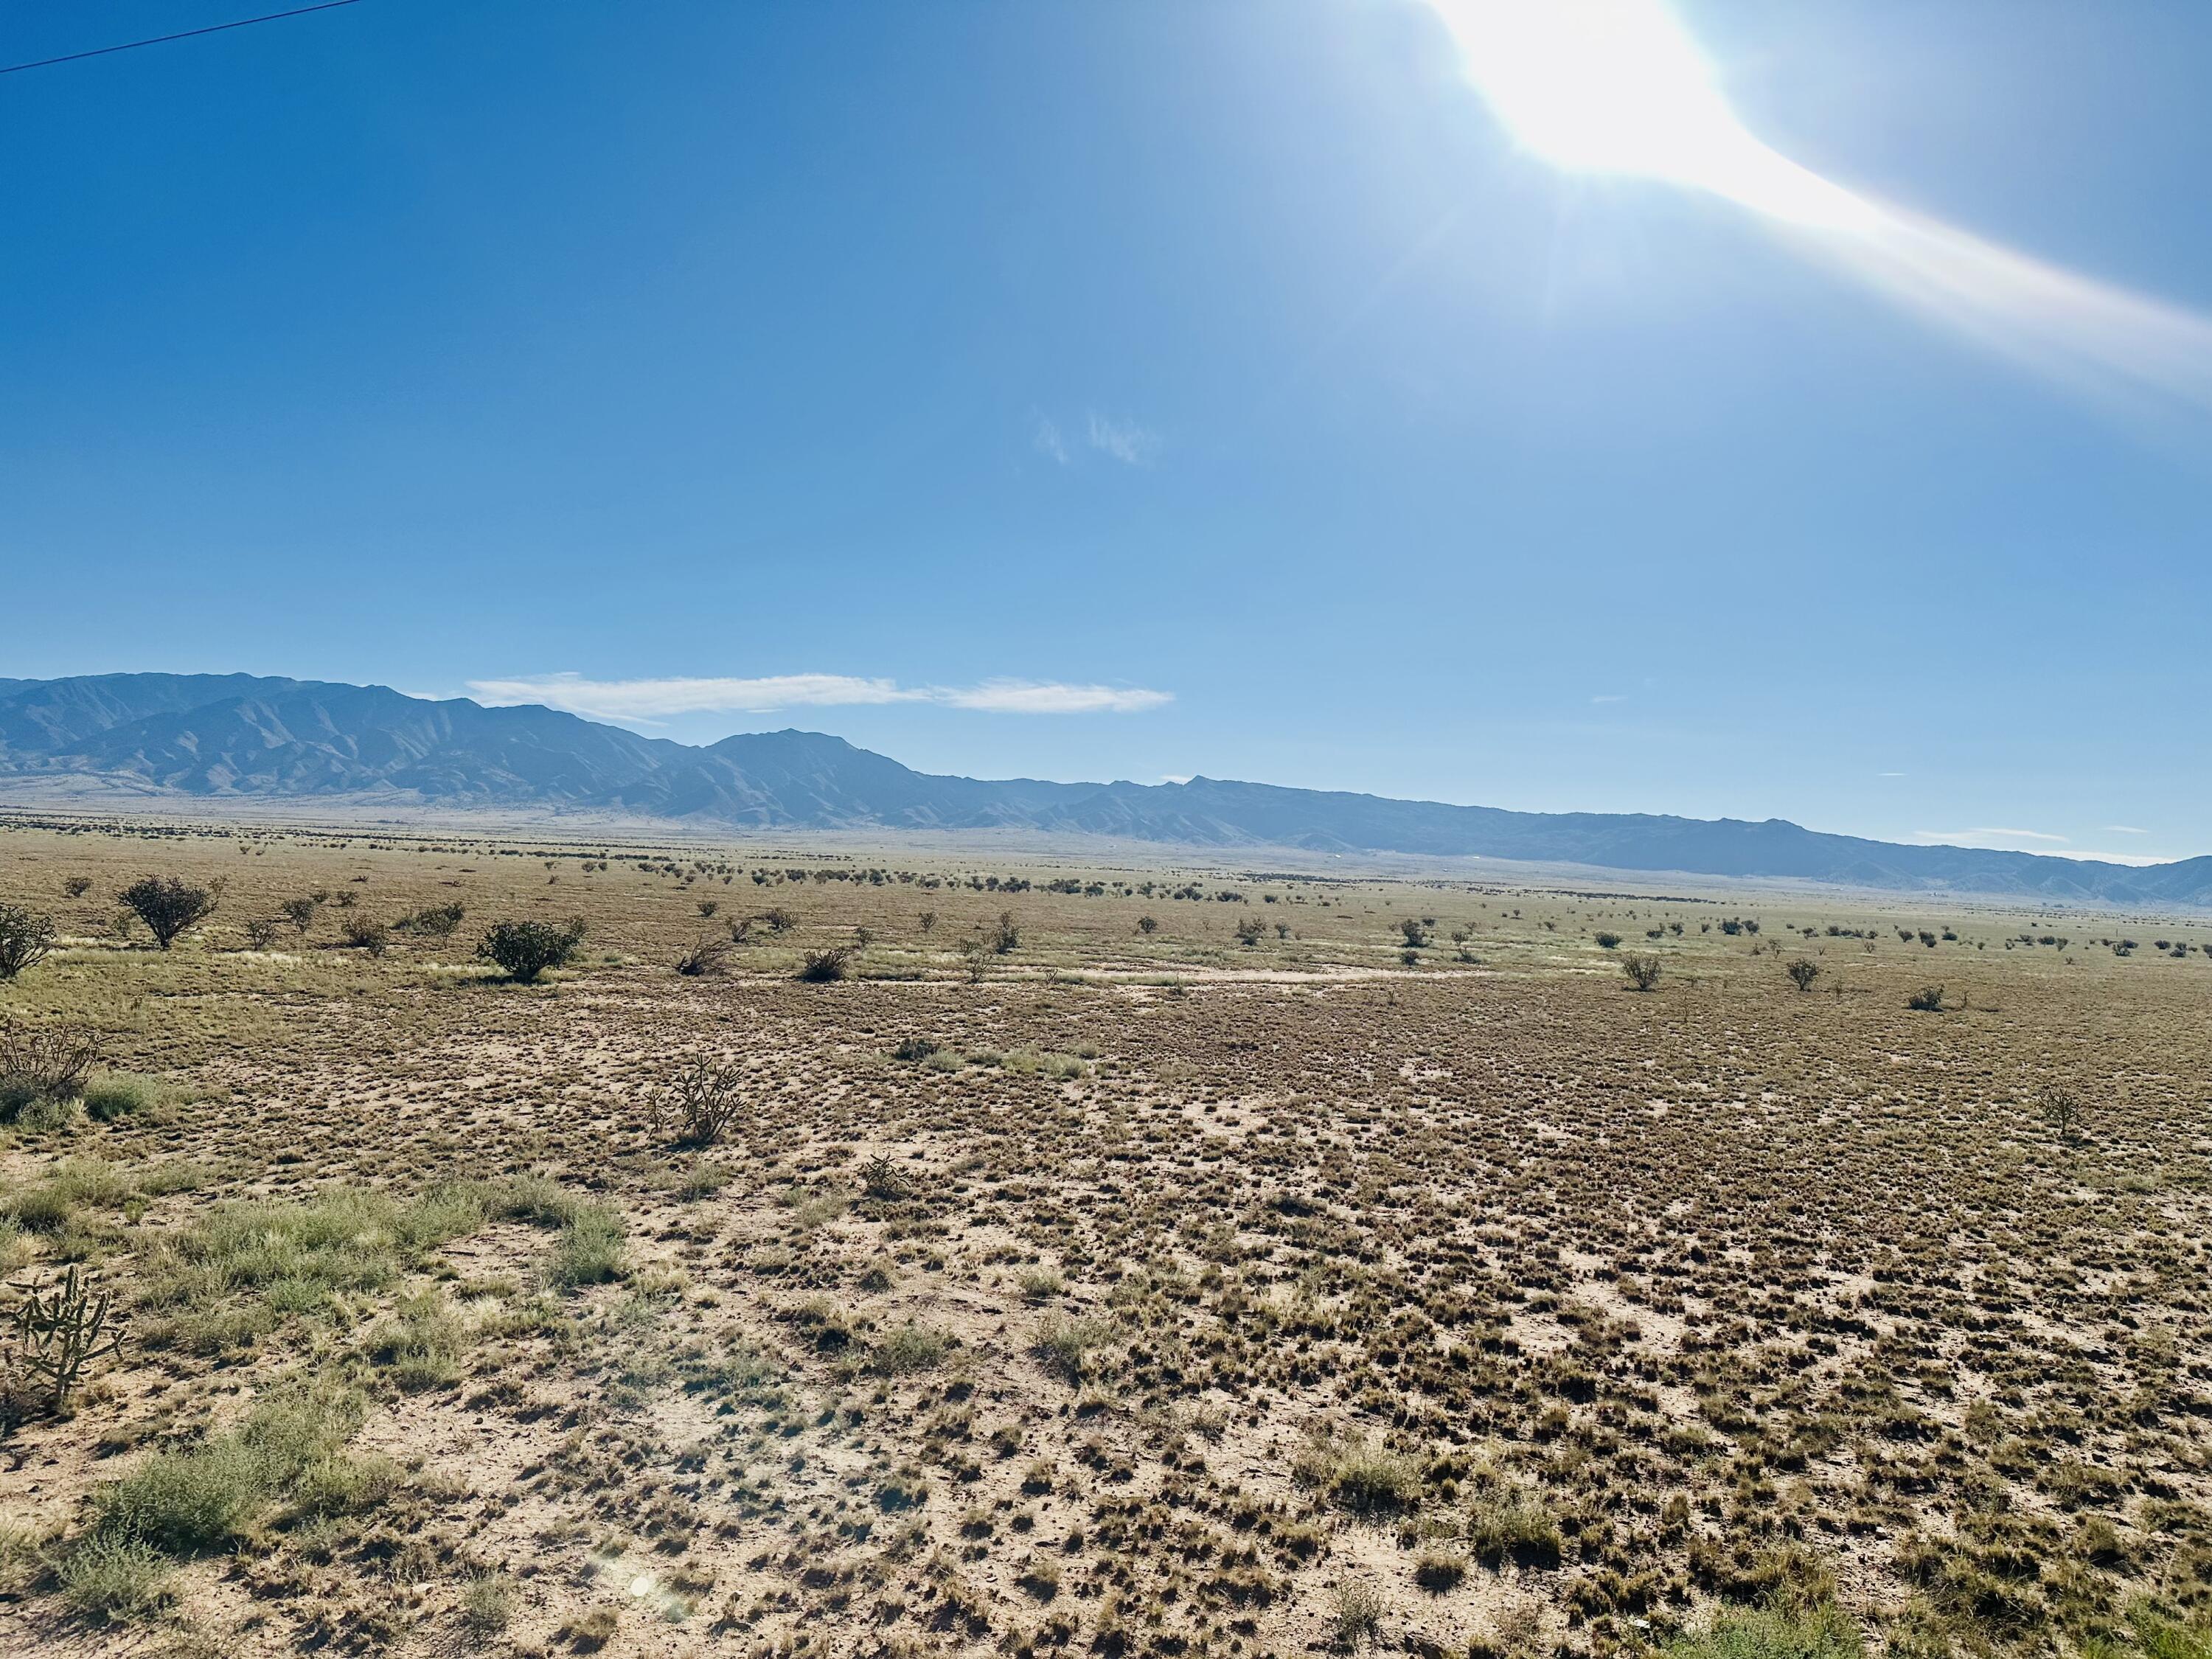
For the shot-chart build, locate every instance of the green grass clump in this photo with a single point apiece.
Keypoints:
(1067, 1344)
(1514, 1523)
(201, 1498)
(1062, 1069)
(422, 1344)
(1782, 1630)
(1356, 1474)
(590, 1249)
(908, 1349)
(120, 1094)
(238, 1271)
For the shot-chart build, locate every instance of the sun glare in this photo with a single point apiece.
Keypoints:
(1617, 86)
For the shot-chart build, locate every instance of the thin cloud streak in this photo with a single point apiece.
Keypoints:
(651, 701)
(1125, 441)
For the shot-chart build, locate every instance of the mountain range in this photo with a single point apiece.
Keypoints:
(240, 735)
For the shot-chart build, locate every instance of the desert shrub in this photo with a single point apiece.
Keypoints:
(523, 949)
(260, 933)
(1029, 1062)
(1641, 971)
(438, 920)
(709, 954)
(881, 1178)
(1005, 936)
(1068, 1346)
(25, 938)
(365, 932)
(1513, 1523)
(78, 886)
(1039, 1285)
(908, 1349)
(1438, 1571)
(110, 1580)
(916, 1048)
(1356, 1474)
(169, 906)
(45, 1061)
(1355, 1615)
(1928, 1000)
(701, 1105)
(1778, 1631)
(1609, 941)
(487, 1605)
(300, 912)
(1147, 924)
(823, 967)
(1803, 972)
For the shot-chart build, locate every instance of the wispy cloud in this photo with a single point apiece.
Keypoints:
(2125, 829)
(2038, 842)
(1610, 696)
(1125, 441)
(1047, 439)
(650, 702)
(1980, 837)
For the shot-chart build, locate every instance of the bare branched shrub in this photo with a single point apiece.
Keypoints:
(707, 955)
(1803, 972)
(698, 1108)
(47, 1061)
(1928, 1000)
(1641, 971)
(822, 967)
(300, 912)
(24, 938)
(2063, 1108)
(881, 1178)
(260, 933)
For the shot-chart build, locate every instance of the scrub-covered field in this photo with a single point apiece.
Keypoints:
(969, 1254)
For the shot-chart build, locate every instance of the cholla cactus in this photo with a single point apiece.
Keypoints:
(62, 1331)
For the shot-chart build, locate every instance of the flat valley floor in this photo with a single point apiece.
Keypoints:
(1190, 1260)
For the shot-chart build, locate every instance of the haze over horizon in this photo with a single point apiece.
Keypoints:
(1131, 391)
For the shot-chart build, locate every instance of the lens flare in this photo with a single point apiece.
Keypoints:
(1619, 87)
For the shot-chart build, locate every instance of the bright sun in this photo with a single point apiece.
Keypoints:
(1616, 86)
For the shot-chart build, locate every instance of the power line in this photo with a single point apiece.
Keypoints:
(159, 39)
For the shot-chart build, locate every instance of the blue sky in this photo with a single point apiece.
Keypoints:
(1133, 389)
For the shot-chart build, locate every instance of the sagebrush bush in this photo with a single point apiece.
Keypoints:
(110, 1580)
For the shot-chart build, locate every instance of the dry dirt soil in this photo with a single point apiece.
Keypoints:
(1393, 1274)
